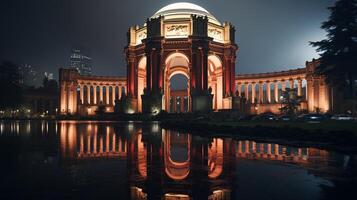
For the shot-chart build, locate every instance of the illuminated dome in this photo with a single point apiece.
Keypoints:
(184, 10)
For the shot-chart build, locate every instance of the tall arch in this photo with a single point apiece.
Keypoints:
(141, 80)
(215, 80)
(175, 63)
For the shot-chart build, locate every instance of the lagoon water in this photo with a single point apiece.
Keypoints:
(133, 160)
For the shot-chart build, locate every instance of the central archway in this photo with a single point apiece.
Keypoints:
(175, 64)
(178, 94)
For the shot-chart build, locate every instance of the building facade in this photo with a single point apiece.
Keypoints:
(81, 62)
(184, 38)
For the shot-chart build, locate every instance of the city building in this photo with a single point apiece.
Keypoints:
(184, 38)
(80, 61)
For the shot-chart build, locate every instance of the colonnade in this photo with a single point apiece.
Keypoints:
(254, 89)
(93, 94)
(108, 145)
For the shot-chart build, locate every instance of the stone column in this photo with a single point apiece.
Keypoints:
(95, 94)
(119, 91)
(299, 87)
(260, 92)
(268, 92)
(276, 91)
(246, 91)
(101, 93)
(81, 93)
(239, 86)
(107, 95)
(113, 95)
(88, 93)
(253, 92)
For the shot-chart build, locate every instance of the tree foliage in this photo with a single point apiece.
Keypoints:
(11, 96)
(339, 50)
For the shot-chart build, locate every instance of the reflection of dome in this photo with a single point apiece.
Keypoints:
(183, 10)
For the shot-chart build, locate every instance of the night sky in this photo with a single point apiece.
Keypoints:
(272, 35)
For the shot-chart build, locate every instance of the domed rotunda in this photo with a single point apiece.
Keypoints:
(181, 38)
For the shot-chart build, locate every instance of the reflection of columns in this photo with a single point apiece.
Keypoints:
(101, 93)
(107, 141)
(246, 146)
(81, 93)
(101, 144)
(276, 149)
(291, 83)
(95, 94)
(276, 91)
(113, 95)
(119, 145)
(88, 144)
(260, 92)
(113, 143)
(299, 87)
(95, 143)
(88, 93)
(254, 147)
(240, 147)
(81, 145)
(253, 92)
(269, 149)
(107, 95)
(268, 92)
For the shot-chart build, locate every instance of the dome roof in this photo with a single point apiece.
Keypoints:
(183, 10)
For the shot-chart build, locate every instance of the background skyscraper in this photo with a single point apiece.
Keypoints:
(80, 61)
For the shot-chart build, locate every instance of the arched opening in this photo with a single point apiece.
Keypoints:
(85, 94)
(176, 83)
(177, 154)
(178, 94)
(141, 80)
(215, 81)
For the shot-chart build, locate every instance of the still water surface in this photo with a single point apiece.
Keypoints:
(128, 160)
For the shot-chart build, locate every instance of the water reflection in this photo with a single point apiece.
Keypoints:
(162, 164)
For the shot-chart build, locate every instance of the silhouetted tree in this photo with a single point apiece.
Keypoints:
(339, 50)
